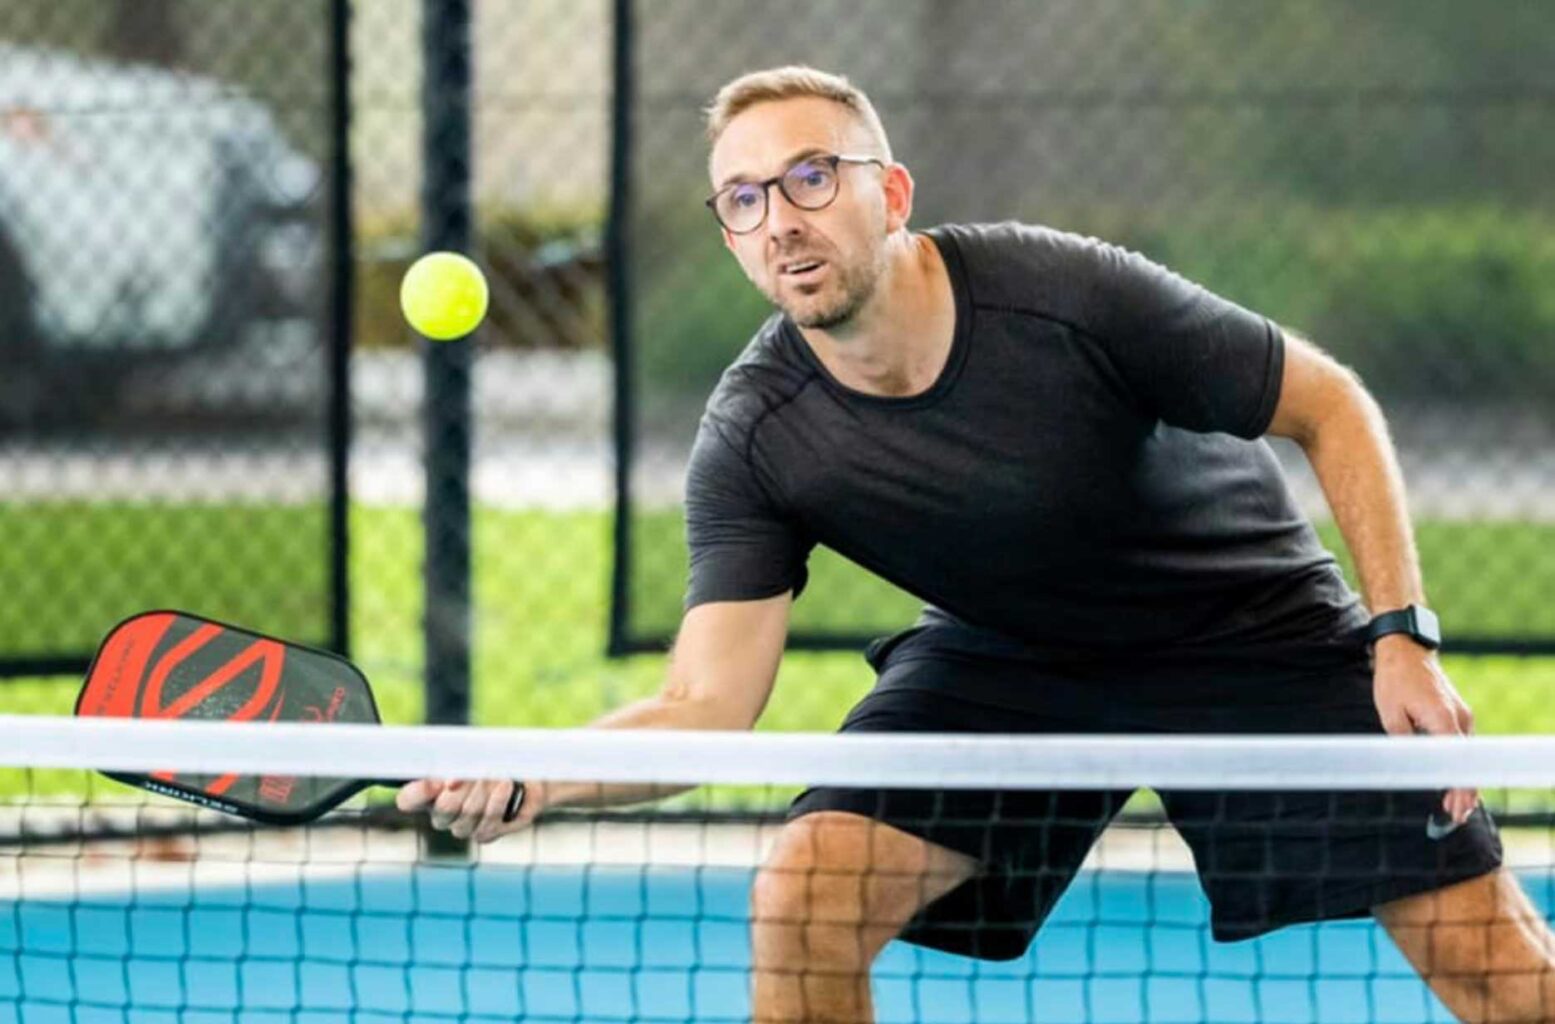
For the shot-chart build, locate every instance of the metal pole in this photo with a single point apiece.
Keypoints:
(446, 224)
(342, 288)
(617, 249)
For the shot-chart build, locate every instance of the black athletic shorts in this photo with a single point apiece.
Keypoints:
(1265, 859)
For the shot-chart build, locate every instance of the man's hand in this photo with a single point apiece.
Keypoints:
(1413, 696)
(471, 809)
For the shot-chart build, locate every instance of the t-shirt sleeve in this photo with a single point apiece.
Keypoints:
(1196, 360)
(742, 546)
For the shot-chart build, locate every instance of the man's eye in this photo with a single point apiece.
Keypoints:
(809, 176)
(744, 198)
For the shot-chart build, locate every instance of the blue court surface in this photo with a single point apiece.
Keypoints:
(437, 943)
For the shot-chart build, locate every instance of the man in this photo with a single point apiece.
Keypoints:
(1055, 443)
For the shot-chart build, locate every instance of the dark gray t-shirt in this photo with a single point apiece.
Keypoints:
(1083, 478)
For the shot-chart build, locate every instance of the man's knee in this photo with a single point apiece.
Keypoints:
(838, 887)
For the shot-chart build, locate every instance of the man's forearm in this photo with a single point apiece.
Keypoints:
(657, 712)
(1355, 463)
(720, 675)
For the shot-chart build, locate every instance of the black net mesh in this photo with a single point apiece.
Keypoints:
(1188, 905)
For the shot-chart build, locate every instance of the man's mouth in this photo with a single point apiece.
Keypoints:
(800, 270)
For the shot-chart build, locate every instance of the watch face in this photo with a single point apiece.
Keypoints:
(1425, 625)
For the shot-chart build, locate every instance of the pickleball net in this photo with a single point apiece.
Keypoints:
(117, 905)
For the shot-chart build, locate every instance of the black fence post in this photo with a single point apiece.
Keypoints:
(446, 224)
(618, 281)
(341, 293)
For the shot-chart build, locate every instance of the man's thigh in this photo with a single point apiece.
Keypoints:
(1027, 845)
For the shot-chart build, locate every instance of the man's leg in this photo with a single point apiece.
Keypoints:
(1482, 947)
(834, 890)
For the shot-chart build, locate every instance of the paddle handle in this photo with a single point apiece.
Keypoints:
(514, 805)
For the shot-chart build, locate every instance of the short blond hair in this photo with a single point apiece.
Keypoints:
(792, 82)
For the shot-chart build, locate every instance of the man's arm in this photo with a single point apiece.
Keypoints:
(721, 673)
(1324, 408)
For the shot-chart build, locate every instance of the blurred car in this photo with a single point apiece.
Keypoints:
(147, 217)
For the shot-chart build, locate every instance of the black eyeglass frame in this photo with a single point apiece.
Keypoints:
(832, 159)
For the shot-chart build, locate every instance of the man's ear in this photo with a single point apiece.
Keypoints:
(898, 185)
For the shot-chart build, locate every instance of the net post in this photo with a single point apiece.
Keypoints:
(446, 224)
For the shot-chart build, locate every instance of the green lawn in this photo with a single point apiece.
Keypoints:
(541, 584)
(71, 569)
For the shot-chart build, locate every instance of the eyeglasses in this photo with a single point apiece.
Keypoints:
(811, 184)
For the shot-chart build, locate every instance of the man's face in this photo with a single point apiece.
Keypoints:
(818, 266)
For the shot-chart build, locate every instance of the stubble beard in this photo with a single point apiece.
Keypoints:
(855, 286)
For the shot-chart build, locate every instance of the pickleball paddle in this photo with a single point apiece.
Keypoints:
(175, 665)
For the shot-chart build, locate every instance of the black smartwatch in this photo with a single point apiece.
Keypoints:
(1415, 621)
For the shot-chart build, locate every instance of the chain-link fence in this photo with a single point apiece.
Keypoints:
(537, 387)
(1373, 175)
(544, 137)
(165, 436)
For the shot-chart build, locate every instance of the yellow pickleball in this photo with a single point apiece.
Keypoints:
(444, 295)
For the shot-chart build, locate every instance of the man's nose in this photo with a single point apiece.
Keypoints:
(784, 219)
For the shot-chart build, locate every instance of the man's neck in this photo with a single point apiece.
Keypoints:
(897, 345)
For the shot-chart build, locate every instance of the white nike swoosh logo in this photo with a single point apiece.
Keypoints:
(1439, 827)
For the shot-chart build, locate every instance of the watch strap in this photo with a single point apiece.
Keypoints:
(1417, 622)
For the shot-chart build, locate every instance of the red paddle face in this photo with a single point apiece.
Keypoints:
(175, 665)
